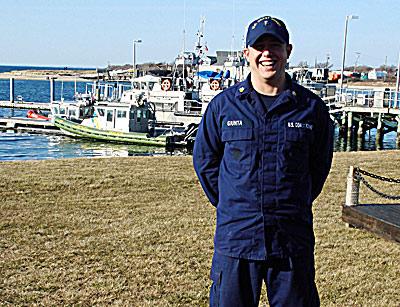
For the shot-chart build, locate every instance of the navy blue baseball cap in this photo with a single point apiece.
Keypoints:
(266, 25)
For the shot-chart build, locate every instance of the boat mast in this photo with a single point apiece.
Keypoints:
(233, 28)
(184, 44)
(397, 82)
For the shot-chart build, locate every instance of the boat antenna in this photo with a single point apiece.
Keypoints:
(233, 26)
(397, 82)
(184, 43)
(62, 90)
(75, 86)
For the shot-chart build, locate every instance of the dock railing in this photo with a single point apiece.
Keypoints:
(368, 97)
(382, 219)
(357, 176)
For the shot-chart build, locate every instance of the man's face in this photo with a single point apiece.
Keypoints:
(267, 58)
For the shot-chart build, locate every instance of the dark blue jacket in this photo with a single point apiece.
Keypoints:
(262, 170)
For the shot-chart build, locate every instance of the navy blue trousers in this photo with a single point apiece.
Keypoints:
(237, 282)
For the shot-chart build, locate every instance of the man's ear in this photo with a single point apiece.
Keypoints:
(289, 48)
(246, 52)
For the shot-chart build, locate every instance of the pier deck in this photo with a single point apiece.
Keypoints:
(28, 125)
(25, 105)
(382, 219)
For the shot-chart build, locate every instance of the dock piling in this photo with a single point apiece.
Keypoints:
(105, 95)
(398, 129)
(360, 131)
(379, 130)
(12, 90)
(349, 123)
(52, 89)
(353, 186)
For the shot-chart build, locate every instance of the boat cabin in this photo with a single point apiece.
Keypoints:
(72, 110)
(121, 117)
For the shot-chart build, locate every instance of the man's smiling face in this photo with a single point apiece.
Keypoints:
(267, 58)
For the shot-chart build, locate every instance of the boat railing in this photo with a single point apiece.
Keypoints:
(369, 98)
(192, 107)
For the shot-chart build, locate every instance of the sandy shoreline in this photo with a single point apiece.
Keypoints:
(77, 75)
(61, 75)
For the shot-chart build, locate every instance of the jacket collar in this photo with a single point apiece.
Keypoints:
(245, 88)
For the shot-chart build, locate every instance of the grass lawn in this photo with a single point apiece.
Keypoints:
(138, 232)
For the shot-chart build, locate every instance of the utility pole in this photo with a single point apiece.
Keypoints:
(384, 75)
(134, 72)
(397, 83)
(348, 17)
(356, 62)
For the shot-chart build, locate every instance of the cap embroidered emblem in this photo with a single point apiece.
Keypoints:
(241, 90)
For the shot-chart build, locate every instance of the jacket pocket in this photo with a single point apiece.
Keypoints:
(238, 147)
(297, 144)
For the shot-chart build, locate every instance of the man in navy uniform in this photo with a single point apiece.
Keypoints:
(262, 154)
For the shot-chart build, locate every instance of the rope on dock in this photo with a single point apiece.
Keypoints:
(358, 173)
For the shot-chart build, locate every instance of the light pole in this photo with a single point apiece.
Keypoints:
(348, 17)
(134, 57)
(397, 84)
(357, 58)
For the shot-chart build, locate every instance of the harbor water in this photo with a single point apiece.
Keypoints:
(26, 146)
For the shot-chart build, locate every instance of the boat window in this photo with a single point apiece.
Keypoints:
(72, 113)
(151, 85)
(101, 112)
(87, 111)
(62, 110)
(121, 114)
(109, 115)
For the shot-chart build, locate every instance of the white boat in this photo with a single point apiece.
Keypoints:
(111, 121)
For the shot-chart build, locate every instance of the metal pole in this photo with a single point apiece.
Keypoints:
(348, 17)
(52, 90)
(12, 90)
(134, 60)
(397, 84)
(344, 55)
(134, 57)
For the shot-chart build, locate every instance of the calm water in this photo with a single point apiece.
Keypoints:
(24, 146)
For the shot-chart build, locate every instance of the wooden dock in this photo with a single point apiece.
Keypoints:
(25, 105)
(28, 125)
(383, 220)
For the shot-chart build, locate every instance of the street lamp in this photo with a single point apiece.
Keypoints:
(134, 57)
(348, 17)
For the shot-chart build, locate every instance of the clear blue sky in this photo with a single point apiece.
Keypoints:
(93, 33)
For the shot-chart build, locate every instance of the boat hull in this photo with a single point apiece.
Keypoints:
(81, 131)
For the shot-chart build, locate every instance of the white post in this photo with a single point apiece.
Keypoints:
(348, 17)
(353, 187)
(396, 103)
(75, 93)
(12, 90)
(52, 90)
(134, 75)
(398, 128)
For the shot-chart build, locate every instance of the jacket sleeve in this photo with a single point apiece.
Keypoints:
(207, 154)
(322, 151)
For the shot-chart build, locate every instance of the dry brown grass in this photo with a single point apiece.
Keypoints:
(138, 231)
